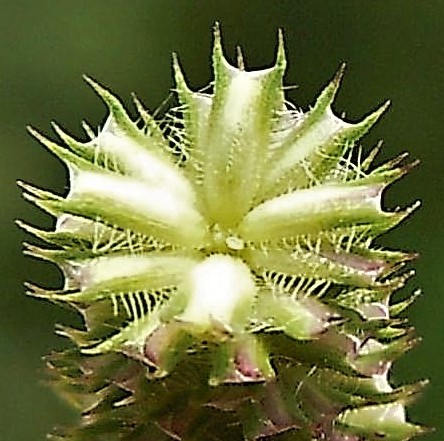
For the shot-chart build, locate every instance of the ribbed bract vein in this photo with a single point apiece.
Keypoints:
(311, 211)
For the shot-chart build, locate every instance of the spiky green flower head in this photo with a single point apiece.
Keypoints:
(224, 263)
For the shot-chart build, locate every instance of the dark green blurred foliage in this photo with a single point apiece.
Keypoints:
(394, 49)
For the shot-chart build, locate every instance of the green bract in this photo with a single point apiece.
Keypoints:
(225, 268)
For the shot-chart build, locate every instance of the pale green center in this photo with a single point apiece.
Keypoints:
(225, 241)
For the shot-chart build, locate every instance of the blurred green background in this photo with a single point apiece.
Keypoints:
(394, 49)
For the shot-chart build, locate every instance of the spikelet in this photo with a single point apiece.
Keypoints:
(225, 267)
